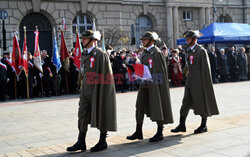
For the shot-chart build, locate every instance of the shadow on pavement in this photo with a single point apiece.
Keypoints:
(128, 149)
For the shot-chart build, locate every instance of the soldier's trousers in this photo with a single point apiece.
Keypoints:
(142, 102)
(187, 103)
(84, 113)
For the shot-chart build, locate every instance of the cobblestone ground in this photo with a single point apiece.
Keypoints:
(46, 126)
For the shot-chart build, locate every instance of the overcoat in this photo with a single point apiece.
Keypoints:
(199, 81)
(157, 102)
(98, 84)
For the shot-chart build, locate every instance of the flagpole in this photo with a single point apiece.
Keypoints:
(27, 79)
(15, 76)
(54, 32)
(41, 79)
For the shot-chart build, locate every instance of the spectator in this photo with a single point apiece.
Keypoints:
(242, 63)
(223, 66)
(232, 62)
(175, 68)
(213, 64)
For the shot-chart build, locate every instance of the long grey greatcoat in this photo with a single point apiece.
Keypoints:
(101, 94)
(200, 82)
(157, 103)
(242, 62)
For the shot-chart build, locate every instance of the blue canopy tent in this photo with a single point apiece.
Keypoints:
(223, 33)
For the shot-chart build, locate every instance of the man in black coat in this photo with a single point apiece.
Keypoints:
(47, 73)
(10, 74)
(213, 64)
(3, 81)
(31, 75)
(223, 66)
(73, 74)
(232, 62)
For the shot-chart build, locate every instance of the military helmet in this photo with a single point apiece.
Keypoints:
(91, 34)
(150, 35)
(192, 34)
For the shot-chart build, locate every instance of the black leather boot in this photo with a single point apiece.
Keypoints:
(181, 127)
(137, 134)
(158, 136)
(102, 144)
(80, 144)
(203, 127)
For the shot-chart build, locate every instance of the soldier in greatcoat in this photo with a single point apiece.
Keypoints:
(97, 105)
(153, 97)
(199, 92)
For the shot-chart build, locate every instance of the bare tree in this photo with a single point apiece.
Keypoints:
(115, 36)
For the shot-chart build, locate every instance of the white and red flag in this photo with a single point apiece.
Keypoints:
(78, 51)
(142, 72)
(37, 54)
(64, 24)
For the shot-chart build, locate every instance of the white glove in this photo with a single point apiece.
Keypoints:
(41, 75)
(8, 79)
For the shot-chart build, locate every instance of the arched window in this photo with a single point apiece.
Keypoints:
(224, 19)
(82, 22)
(143, 24)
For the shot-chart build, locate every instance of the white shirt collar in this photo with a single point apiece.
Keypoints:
(193, 46)
(150, 47)
(90, 49)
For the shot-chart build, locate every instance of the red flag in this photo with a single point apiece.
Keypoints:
(77, 56)
(37, 55)
(142, 72)
(25, 56)
(64, 53)
(16, 56)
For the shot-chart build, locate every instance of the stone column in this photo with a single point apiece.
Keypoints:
(175, 25)
(207, 16)
(170, 26)
(202, 18)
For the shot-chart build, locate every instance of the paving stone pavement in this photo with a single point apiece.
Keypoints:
(46, 126)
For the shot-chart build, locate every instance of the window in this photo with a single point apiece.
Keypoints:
(224, 19)
(83, 23)
(143, 24)
(187, 15)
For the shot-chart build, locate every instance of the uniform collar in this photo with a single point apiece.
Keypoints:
(191, 48)
(90, 49)
(150, 47)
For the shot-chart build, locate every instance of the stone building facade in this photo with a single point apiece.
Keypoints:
(130, 18)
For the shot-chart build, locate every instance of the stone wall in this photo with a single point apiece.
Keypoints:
(121, 14)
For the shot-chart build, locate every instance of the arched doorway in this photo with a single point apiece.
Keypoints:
(32, 20)
(143, 24)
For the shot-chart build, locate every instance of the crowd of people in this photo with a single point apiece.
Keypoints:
(226, 65)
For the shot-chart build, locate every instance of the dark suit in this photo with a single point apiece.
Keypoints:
(3, 81)
(214, 65)
(47, 79)
(223, 68)
(232, 62)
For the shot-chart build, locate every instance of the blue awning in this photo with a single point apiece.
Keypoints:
(223, 33)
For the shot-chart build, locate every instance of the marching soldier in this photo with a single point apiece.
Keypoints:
(199, 92)
(97, 105)
(153, 97)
